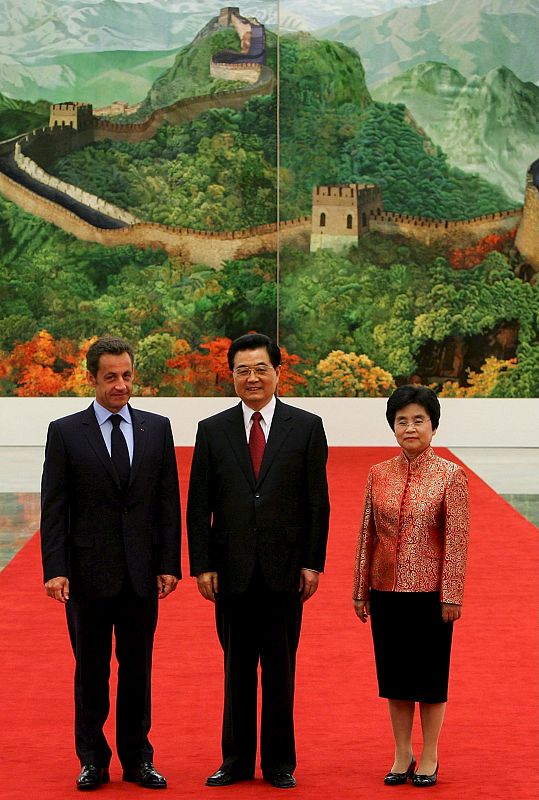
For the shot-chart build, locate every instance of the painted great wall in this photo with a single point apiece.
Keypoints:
(348, 211)
(342, 214)
(73, 126)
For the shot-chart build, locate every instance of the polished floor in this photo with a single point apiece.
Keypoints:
(512, 472)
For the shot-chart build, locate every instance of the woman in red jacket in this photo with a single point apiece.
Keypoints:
(409, 577)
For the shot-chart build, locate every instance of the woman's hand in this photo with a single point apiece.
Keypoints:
(451, 612)
(362, 609)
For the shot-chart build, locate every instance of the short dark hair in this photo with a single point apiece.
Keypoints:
(421, 395)
(107, 344)
(250, 341)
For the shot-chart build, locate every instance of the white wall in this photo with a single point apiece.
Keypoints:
(348, 421)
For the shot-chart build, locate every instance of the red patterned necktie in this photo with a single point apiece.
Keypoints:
(257, 442)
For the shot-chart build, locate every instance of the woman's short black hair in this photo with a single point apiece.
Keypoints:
(421, 395)
(252, 341)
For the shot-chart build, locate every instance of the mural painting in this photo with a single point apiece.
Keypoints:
(358, 179)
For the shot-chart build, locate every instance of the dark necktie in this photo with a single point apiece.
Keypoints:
(257, 442)
(119, 452)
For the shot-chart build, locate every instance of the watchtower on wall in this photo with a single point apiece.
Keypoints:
(340, 214)
(527, 238)
(225, 16)
(78, 116)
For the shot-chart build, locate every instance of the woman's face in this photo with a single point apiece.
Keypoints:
(413, 429)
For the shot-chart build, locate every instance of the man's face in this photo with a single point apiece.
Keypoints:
(114, 381)
(255, 388)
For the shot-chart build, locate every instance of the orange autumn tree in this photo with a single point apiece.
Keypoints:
(41, 366)
(468, 257)
(482, 383)
(196, 373)
(343, 374)
(290, 380)
(77, 382)
(215, 361)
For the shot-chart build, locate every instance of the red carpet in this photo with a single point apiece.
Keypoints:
(489, 746)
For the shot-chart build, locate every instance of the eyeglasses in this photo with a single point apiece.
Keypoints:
(260, 371)
(418, 422)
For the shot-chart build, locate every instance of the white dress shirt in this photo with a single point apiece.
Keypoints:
(267, 417)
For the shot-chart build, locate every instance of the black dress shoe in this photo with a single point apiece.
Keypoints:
(397, 778)
(281, 780)
(91, 777)
(146, 775)
(426, 780)
(222, 777)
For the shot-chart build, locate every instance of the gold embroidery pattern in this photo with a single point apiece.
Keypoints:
(414, 536)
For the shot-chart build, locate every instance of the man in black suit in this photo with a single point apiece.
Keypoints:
(258, 515)
(110, 534)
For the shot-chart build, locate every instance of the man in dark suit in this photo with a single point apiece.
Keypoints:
(257, 517)
(110, 534)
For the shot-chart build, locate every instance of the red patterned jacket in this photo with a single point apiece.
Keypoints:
(414, 535)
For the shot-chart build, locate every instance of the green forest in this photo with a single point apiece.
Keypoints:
(383, 299)
(351, 323)
(19, 116)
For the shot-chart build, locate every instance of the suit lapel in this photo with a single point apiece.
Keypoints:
(281, 425)
(95, 438)
(235, 431)
(140, 438)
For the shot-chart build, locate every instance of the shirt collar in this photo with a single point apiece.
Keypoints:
(267, 412)
(102, 414)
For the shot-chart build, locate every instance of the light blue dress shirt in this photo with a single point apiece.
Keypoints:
(105, 425)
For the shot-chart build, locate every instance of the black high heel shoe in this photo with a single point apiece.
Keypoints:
(397, 778)
(426, 780)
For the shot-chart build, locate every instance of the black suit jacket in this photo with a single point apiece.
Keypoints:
(91, 531)
(280, 520)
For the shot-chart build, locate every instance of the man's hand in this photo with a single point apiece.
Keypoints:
(451, 612)
(308, 583)
(208, 585)
(362, 609)
(58, 589)
(165, 585)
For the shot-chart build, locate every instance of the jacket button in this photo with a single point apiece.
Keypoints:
(257, 496)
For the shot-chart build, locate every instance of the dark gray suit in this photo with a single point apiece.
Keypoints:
(258, 535)
(111, 545)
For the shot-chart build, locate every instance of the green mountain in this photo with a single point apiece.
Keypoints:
(323, 97)
(429, 90)
(487, 125)
(98, 78)
(19, 116)
(472, 36)
(219, 172)
(189, 75)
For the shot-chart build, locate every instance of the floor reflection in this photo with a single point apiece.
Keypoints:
(512, 472)
(525, 504)
(19, 520)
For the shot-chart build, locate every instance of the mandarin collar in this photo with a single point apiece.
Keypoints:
(423, 458)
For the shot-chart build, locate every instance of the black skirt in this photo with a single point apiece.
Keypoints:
(412, 646)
